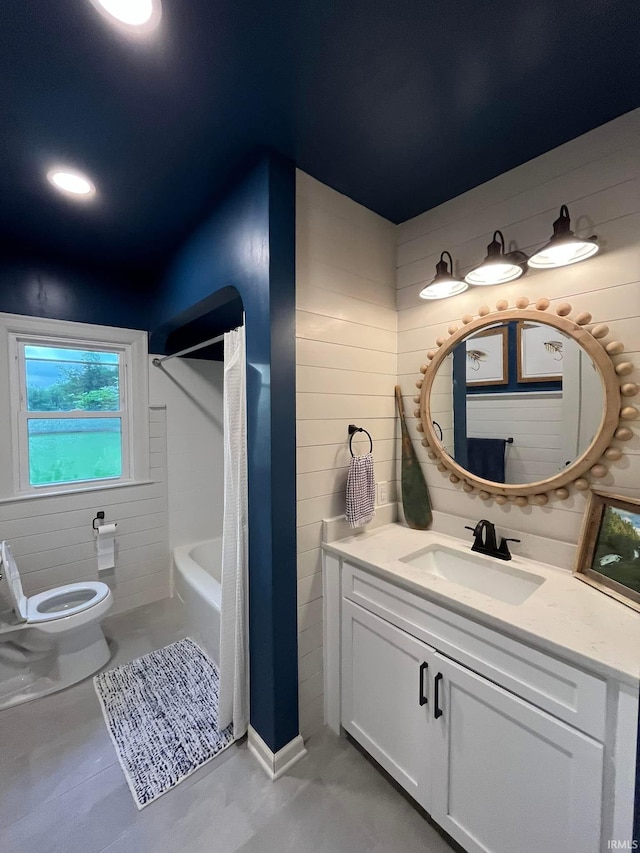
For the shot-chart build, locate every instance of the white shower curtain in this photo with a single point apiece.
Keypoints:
(234, 631)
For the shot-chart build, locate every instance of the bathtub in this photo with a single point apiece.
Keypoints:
(196, 582)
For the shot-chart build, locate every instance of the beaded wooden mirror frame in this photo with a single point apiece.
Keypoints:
(617, 412)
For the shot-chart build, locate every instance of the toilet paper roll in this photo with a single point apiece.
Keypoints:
(106, 541)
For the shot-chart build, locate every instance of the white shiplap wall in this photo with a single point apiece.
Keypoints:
(346, 372)
(534, 422)
(54, 543)
(191, 389)
(598, 176)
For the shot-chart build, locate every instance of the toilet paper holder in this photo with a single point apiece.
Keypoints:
(99, 517)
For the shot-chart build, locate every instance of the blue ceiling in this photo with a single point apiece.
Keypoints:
(400, 105)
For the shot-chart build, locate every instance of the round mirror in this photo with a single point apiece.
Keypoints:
(517, 402)
(520, 403)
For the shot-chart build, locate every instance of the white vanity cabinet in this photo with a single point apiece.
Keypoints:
(509, 777)
(507, 748)
(385, 706)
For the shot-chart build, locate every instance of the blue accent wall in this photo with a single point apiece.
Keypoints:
(459, 377)
(38, 286)
(247, 248)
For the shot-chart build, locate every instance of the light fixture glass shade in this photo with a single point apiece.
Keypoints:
(444, 283)
(564, 247)
(71, 183)
(135, 15)
(494, 273)
(442, 289)
(497, 267)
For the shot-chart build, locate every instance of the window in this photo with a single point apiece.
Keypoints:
(77, 413)
(73, 415)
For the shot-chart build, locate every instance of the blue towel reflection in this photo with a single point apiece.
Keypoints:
(485, 458)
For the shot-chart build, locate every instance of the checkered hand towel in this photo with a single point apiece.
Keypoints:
(361, 491)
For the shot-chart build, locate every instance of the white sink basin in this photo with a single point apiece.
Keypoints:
(483, 574)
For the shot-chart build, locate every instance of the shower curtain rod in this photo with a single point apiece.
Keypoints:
(158, 361)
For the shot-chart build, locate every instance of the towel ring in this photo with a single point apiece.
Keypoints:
(439, 428)
(353, 429)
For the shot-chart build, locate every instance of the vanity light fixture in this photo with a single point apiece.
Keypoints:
(136, 16)
(564, 247)
(444, 283)
(498, 267)
(71, 183)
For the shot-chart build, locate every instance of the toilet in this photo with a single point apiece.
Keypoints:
(50, 640)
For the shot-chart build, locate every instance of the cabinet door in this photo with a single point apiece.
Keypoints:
(513, 779)
(385, 697)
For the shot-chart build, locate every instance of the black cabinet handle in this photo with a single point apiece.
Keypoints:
(423, 668)
(437, 710)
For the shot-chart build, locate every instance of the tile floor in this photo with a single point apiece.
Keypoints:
(62, 789)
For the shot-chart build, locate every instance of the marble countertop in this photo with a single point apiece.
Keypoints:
(563, 616)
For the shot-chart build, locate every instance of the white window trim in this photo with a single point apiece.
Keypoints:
(16, 329)
(17, 345)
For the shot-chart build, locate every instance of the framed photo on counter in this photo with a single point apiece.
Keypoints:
(608, 555)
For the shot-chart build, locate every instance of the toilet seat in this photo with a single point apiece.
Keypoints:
(12, 582)
(63, 601)
(54, 605)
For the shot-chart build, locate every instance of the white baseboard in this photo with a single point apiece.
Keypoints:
(277, 763)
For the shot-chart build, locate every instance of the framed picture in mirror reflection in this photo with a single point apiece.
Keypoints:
(487, 357)
(541, 351)
(608, 555)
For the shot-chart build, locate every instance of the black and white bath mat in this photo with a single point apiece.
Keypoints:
(161, 711)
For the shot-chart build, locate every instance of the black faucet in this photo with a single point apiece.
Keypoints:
(485, 541)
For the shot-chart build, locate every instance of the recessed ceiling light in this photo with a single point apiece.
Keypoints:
(71, 183)
(136, 15)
